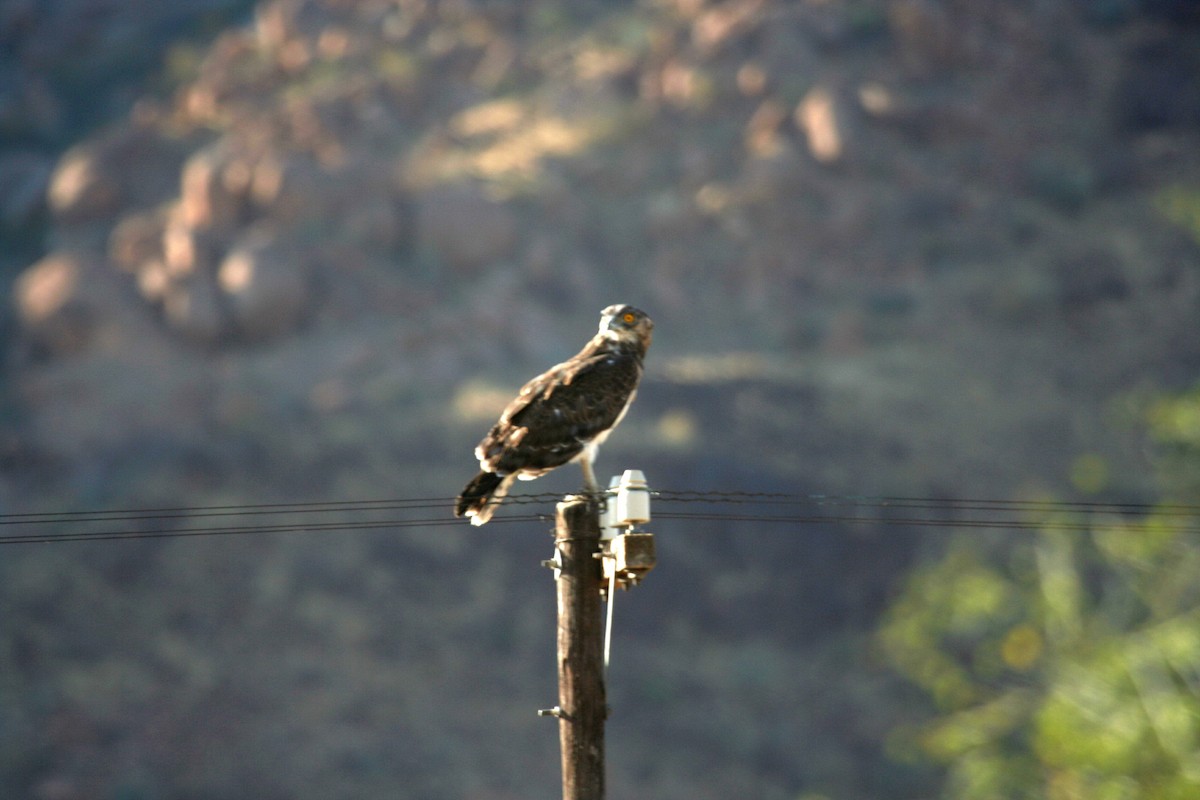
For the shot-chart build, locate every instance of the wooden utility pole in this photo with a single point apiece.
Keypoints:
(582, 705)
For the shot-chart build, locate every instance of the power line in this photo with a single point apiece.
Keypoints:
(924, 522)
(236, 530)
(959, 513)
(951, 504)
(190, 512)
(667, 496)
(1032, 515)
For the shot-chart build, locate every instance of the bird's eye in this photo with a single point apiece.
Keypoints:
(628, 317)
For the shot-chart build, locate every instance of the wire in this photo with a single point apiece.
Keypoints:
(73, 521)
(1043, 515)
(190, 512)
(961, 513)
(924, 522)
(667, 496)
(953, 504)
(110, 535)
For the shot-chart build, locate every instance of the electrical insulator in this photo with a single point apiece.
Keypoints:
(608, 517)
(633, 500)
(627, 555)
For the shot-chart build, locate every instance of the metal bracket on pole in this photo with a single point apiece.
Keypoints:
(626, 555)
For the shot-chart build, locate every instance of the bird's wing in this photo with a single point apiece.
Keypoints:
(560, 411)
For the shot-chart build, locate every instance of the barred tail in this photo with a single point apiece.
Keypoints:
(481, 496)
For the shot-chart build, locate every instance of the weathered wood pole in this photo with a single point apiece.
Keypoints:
(582, 705)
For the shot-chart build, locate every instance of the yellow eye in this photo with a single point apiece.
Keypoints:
(629, 318)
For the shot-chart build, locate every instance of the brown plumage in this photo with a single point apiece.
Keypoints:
(562, 415)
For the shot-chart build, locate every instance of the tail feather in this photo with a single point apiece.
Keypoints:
(480, 497)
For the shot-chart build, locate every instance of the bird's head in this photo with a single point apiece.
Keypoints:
(626, 324)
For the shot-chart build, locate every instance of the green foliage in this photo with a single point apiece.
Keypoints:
(1067, 666)
(1175, 428)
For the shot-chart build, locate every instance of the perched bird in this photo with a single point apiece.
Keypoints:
(562, 415)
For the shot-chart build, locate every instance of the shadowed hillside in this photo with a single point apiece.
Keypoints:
(891, 247)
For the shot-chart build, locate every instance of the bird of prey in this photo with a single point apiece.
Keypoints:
(562, 415)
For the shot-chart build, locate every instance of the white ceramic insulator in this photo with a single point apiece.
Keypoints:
(608, 517)
(633, 500)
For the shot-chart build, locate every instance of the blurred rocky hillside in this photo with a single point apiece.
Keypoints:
(66, 67)
(918, 247)
(907, 211)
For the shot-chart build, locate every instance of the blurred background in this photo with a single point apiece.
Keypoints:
(303, 251)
